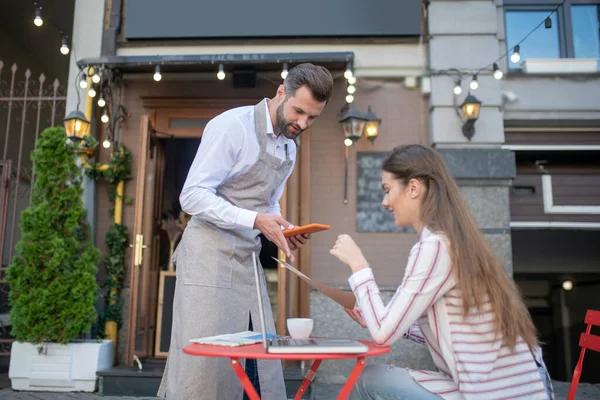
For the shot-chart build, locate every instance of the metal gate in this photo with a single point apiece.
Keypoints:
(28, 105)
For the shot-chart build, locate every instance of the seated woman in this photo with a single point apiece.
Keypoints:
(455, 297)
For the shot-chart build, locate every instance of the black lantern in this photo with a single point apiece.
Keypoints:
(353, 123)
(470, 113)
(372, 125)
(76, 125)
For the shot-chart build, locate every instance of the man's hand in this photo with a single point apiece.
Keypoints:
(296, 242)
(270, 226)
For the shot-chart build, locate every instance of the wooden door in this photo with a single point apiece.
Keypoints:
(139, 321)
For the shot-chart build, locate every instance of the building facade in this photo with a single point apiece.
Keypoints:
(529, 169)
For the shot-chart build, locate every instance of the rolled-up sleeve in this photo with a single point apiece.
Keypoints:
(427, 278)
(219, 149)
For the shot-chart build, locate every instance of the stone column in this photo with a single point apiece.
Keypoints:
(466, 35)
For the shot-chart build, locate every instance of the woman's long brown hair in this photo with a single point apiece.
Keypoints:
(479, 273)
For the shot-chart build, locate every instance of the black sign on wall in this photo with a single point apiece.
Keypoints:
(371, 216)
(184, 19)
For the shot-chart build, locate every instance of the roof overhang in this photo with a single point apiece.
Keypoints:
(208, 62)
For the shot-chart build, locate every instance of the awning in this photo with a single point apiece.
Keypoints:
(209, 62)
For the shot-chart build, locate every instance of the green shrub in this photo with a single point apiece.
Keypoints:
(52, 278)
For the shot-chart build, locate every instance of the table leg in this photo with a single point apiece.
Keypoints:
(243, 377)
(356, 371)
(310, 376)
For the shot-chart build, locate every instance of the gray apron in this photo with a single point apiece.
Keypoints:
(215, 289)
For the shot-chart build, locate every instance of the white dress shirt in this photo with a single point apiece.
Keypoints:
(229, 147)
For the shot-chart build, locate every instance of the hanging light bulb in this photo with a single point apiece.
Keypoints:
(157, 75)
(104, 118)
(548, 23)
(457, 88)
(83, 82)
(284, 71)
(38, 21)
(64, 48)
(348, 73)
(498, 74)
(221, 74)
(101, 101)
(474, 84)
(96, 77)
(352, 80)
(515, 56)
(348, 142)
(106, 143)
(349, 98)
(351, 89)
(92, 92)
(567, 284)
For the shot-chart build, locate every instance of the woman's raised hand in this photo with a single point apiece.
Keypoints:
(349, 253)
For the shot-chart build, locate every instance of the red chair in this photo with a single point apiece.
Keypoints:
(587, 341)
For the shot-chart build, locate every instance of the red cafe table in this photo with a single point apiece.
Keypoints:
(257, 351)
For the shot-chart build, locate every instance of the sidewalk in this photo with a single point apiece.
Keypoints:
(586, 391)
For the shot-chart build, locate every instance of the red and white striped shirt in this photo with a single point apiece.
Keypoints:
(472, 360)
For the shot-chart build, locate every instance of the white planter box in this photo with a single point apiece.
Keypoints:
(64, 368)
(561, 66)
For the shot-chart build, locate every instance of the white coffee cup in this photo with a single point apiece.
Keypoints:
(300, 328)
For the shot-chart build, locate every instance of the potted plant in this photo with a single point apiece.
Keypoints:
(52, 279)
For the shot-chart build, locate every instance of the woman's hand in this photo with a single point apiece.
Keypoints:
(356, 315)
(349, 253)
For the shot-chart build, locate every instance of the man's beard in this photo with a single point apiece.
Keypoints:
(284, 126)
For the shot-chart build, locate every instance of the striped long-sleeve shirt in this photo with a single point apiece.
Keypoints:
(472, 360)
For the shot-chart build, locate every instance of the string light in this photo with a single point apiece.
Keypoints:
(96, 77)
(38, 21)
(457, 88)
(104, 118)
(101, 101)
(348, 74)
(513, 53)
(92, 92)
(349, 98)
(497, 72)
(157, 75)
(284, 71)
(348, 142)
(221, 74)
(64, 48)
(515, 56)
(351, 89)
(83, 82)
(352, 80)
(474, 84)
(106, 143)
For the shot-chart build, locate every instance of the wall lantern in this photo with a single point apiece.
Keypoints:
(372, 125)
(469, 113)
(76, 125)
(353, 124)
(356, 125)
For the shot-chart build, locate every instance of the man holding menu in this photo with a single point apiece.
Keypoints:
(232, 192)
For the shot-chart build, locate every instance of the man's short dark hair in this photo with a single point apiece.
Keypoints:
(317, 78)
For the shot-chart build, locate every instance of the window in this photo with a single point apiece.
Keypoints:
(543, 43)
(586, 31)
(575, 30)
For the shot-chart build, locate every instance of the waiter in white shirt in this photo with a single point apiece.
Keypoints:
(232, 191)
